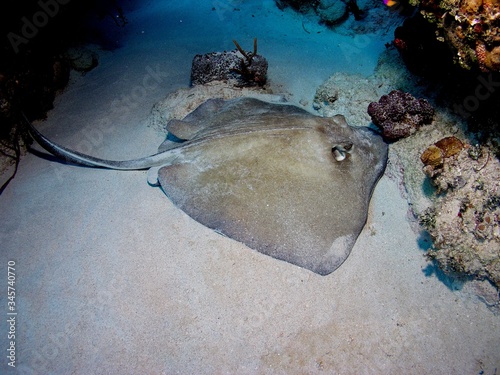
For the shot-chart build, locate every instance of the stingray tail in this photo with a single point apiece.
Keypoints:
(79, 158)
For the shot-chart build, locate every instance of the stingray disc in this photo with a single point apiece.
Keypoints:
(284, 182)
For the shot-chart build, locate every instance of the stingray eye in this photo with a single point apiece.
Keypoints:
(340, 152)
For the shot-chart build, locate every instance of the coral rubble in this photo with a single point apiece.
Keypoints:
(464, 221)
(399, 114)
(346, 94)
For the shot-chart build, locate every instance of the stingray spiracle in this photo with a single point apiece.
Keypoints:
(340, 151)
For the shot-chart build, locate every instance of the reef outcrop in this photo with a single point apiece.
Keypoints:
(421, 52)
(464, 221)
(239, 67)
(399, 114)
(453, 167)
(470, 28)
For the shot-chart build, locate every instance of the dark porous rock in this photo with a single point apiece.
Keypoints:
(241, 68)
(399, 114)
(214, 66)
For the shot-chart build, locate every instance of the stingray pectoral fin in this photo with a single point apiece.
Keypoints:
(182, 129)
(79, 158)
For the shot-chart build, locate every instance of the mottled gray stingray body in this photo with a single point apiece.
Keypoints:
(284, 182)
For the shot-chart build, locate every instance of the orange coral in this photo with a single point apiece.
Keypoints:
(470, 6)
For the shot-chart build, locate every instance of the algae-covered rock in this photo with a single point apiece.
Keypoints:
(331, 12)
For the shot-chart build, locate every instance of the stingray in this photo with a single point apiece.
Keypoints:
(275, 177)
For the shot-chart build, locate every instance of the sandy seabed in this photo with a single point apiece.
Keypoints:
(111, 278)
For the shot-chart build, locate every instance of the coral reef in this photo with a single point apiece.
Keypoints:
(422, 53)
(436, 207)
(30, 88)
(238, 66)
(357, 17)
(399, 114)
(464, 222)
(470, 27)
(330, 12)
(37, 59)
(472, 94)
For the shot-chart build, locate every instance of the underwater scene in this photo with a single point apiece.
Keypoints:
(250, 187)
